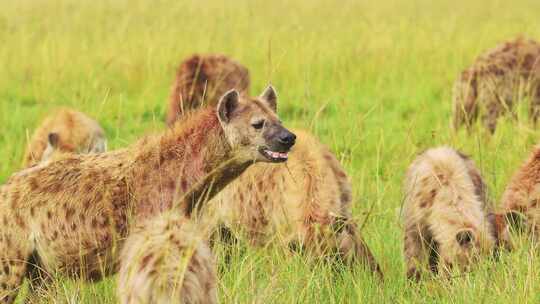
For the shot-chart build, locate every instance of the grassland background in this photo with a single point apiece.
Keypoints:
(371, 78)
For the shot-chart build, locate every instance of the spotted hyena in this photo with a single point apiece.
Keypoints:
(303, 205)
(203, 79)
(65, 131)
(170, 263)
(446, 223)
(496, 81)
(72, 215)
(309, 203)
(521, 199)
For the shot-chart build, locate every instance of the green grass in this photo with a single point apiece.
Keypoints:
(371, 78)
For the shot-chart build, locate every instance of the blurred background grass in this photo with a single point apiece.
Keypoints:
(371, 78)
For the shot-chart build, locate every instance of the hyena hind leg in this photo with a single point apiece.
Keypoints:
(13, 267)
(420, 255)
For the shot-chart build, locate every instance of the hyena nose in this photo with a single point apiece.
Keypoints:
(287, 138)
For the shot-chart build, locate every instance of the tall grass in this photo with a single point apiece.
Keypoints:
(371, 78)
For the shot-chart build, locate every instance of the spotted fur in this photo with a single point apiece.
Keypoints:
(521, 199)
(169, 263)
(73, 132)
(202, 79)
(494, 83)
(446, 221)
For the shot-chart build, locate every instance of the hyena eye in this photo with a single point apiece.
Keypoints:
(258, 125)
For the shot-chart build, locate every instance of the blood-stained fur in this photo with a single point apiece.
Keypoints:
(496, 81)
(72, 215)
(202, 79)
(170, 262)
(446, 221)
(521, 199)
(65, 130)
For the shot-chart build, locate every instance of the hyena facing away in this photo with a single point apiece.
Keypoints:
(170, 263)
(202, 79)
(445, 219)
(304, 204)
(496, 81)
(64, 131)
(521, 199)
(72, 215)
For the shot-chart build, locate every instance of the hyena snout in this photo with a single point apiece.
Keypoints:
(286, 138)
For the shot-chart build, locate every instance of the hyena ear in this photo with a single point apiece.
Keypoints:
(269, 96)
(515, 220)
(464, 238)
(53, 139)
(227, 104)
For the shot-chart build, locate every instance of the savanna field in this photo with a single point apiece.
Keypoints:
(372, 79)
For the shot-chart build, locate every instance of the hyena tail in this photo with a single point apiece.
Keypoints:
(351, 245)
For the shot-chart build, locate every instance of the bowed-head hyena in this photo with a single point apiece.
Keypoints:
(66, 130)
(202, 79)
(170, 262)
(521, 199)
(496, 81)
(305, 204)
(446, 222)
(71, 216)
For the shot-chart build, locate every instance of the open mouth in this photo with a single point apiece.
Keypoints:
(276, 157)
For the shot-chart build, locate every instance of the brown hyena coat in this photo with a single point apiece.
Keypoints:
(445, 219)
(521, 199)
(496, 81)
(202, 79)
(71, 215)
(303, 204)
(64, 131)
(170, 263)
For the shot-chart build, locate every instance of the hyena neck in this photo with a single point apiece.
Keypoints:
(187, 165)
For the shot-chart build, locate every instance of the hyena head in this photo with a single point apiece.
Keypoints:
(56, 146)
(252, 127)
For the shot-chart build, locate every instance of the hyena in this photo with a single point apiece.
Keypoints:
(521, 199)
(309, 202)
(446, 222)
(304, 205)
(496, 81)
(72, 215)
(170, 263)
(66, 130)
(203, 79)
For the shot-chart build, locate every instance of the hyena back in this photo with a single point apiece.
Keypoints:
(170, 263)
(65, 130)
(202, 79)
(494, 83)
(445, 219)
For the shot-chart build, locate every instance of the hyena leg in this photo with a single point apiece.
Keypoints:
(167, 262)
(39, 279)
(352, 247)
(14, 254)
(493, 111)
(534, 105)
(416, 253)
